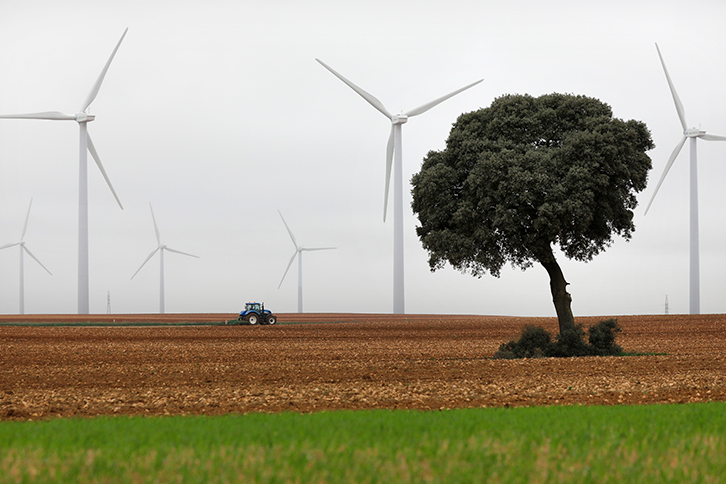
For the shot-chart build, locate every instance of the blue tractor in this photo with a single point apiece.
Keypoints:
(255, 313)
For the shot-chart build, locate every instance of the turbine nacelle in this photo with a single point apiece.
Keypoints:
(399, 119)
(85, 117)
(693, 133)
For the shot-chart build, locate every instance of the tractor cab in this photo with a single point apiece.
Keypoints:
(255, 306)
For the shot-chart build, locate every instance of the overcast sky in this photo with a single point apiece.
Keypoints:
(217, 114)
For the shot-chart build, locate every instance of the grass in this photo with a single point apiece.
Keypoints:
(660, 443)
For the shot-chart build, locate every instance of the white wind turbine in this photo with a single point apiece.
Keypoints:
(298, 253)
(160, 249)
(23, 248)
(86, 145)
(394, 152)
(693, 134)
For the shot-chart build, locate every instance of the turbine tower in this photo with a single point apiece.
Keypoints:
(693, 134)
(394, 158)
(298, 253)
(23, 248)
(160, 249)
(86, 145)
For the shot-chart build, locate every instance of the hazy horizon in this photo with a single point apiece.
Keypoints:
(217, 113)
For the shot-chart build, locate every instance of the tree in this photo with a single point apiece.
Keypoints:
(526, 175)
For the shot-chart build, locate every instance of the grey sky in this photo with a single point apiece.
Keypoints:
(217, 113)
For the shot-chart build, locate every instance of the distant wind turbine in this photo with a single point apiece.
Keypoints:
(23, 248)
(693, 134)
(160, 249)
(82, 118)
(394, 152)
(298, 253)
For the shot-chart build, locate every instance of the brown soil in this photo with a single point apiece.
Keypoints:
(341, 362)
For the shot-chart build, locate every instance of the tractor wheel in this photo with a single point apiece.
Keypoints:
(253, 319)
(271, 319)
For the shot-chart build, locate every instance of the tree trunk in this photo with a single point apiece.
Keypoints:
(560, 297)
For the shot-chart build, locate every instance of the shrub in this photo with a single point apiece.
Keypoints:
(570, 343)
(536, 342)
(602, 337)
(533, 343)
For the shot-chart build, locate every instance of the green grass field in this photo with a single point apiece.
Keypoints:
(660, 443)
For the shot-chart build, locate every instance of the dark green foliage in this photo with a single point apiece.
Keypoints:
(527, 175)
(533, 342)
(536, 342)
(570, 343)
(602, 337)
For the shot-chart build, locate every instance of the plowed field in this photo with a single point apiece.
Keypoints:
(333, 362)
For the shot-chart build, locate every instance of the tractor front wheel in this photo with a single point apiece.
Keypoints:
(271, 319)
(253, 319)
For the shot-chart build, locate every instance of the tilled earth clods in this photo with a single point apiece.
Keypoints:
(347, 362)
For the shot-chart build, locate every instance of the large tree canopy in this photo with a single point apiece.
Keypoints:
(528, 174)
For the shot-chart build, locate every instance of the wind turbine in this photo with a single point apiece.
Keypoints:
(693, 134)
(86, 145)
(160, 249)
(23, 248)
(298, 253)
(394, 152)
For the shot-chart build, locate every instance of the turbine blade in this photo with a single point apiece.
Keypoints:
(365, 95)
(389, 163)
(49, 115)
(676, 99)
(713, 137)
(94, 154)
(25, 227)
(180, 252)
(665, 172)
(427, 106)
(94, 90)
(145, 261)
(289, 232)
(36, 259)
(318, 248)
(156, 228)
(289, 264)
(9, 245)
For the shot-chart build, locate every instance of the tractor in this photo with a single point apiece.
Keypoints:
(255, 313)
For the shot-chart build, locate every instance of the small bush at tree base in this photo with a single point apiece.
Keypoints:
(533, 343)
(536, 342)
(570, 343)
(602, 337)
